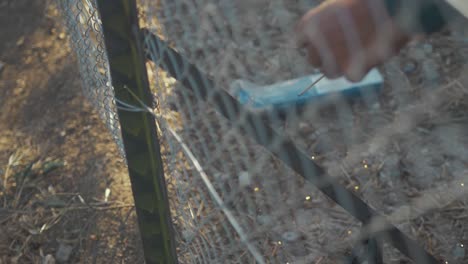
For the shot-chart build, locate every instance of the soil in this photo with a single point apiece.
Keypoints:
(398, 148)
(65, 191)
(56, 157)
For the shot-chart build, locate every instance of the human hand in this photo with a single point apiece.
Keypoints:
(349, 37)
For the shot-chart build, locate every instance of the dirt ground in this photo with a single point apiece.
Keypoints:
(57, 161)
(399, 149)
(64, 190)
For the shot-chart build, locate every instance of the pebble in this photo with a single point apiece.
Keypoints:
(430, 71)
(283, 16)
(428, 48)
(409, 67)
(458, 252)
(294, 244)
(244, 179)
(20, 41)
(220, 176)
(188, 235)
(291, 236)
(274, 63)
(417, 54)
(2, 66)
(63, 253)
(375, 106)
(264, 219)
(48, 259)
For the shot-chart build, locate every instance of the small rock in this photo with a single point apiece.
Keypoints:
(20, 41)
(210, 9)
(417, 54)
(294, 243)
(430, 71)
(188, 235)
(409, 67)
(264, 219)
(283, 16)
(427, 48)
(220, 176)
(244, 179)
(2, 66)
(62, 36)
(375, 106)
(51, 189)
(291, 236)
(303, 125)
(274, 63)
(48, 259)
(63, 253)
(458, 252)
(448, 61)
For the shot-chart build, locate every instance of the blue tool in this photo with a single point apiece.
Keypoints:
(297, 92)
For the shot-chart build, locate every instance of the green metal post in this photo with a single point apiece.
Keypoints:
(128, 70)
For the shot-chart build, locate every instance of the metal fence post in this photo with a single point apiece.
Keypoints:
(142, 149)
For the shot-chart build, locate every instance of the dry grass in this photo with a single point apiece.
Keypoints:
(64, 191)
(33, 208)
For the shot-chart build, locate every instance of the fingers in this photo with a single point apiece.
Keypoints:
(312, 35)
(328, 58)
(377, 50)
(357, 69)
(308, 25)
(314, 58)
(346, 38)
(337, 61)
(361, 62)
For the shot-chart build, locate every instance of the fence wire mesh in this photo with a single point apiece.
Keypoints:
(85, 30)
(403, 149)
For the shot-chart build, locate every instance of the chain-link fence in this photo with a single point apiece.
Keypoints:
(277, 179)
(82, 21)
